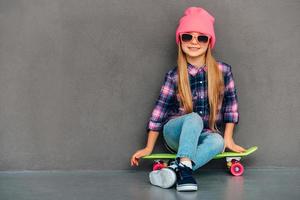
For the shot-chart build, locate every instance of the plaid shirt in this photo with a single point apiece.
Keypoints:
(167, 104)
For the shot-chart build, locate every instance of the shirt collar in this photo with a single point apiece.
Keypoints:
(193, 70)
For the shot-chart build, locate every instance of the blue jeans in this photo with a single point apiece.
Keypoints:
(184, 135)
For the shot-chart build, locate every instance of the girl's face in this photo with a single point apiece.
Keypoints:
(192, 46)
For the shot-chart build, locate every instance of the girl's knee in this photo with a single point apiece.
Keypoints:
(170, 136)
(167, 134)
(194, 118)
(217, 141)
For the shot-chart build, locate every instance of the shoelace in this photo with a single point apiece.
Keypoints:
(184, 172)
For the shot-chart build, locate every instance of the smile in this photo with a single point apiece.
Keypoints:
(193, 48)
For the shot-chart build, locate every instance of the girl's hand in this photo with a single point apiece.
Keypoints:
(229, 143)
(140, 153)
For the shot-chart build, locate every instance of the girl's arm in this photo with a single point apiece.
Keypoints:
(158, 116)
(228, 130)
(230, 101)
(231, 114)
(152, 137)
(163, 104)
(228, 140)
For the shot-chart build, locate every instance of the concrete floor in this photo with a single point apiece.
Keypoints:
(270, 183)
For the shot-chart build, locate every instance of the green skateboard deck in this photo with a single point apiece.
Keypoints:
(219, 156)
(232, 159)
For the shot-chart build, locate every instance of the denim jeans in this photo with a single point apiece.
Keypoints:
(185, 136)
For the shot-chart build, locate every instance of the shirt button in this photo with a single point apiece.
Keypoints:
(200, 112)
(200, 81)
(201, 97)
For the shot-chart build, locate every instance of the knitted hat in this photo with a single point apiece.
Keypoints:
(199, 20)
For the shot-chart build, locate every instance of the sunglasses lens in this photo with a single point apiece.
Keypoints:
(186, 37)
(202, 38)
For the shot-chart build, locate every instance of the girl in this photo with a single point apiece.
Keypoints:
(196, 96)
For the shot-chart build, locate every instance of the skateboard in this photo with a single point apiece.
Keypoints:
(233, 163)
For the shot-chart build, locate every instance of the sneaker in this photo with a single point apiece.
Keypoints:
(164, 178)
(173, 165)
(185, 180)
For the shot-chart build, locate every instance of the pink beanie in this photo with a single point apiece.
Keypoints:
(199, 20)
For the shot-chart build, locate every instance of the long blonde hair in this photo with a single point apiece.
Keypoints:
(214, 80)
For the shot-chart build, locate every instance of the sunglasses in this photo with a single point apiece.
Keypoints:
(186, 37)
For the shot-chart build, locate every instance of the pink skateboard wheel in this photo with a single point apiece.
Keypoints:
(158, 165)
(236, 169)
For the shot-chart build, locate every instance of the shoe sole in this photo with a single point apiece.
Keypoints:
(186, 187)
(164, 178)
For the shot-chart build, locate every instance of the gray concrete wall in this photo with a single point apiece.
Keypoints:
(79, 79)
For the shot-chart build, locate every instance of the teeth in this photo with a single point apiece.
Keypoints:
(193, 48)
